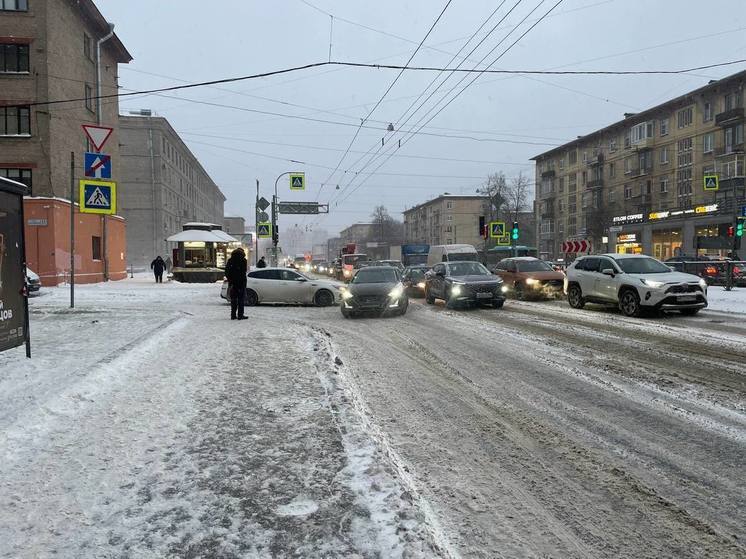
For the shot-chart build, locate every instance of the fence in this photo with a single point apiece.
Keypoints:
(727, 273)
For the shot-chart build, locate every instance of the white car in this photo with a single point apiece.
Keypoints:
(634, 283)
(284, 285)
(33, 282)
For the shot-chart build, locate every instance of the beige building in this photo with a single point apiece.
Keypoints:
(638, 185)
(447, 219)
(358, 233)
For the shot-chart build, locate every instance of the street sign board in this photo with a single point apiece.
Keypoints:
(297, 181)
(743, 211)
(264, 230)
(503, 241)
(497, 229)
(97, 165)
(262, 216)
(98, 135)
(576, 247)
(711, 182)
(98, 197)
(302, 208)
(615, 229)
(263, 203)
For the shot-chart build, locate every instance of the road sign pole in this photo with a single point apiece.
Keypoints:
(72, 229)
(256, 225)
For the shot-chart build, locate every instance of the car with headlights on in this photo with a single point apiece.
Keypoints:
(413, 280)
(527, 276)
(285, 285)
(464, 283)
(375, 290)
(635, 283)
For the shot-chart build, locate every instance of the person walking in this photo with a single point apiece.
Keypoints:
(158, 265)
(235, 273)
(262, 263)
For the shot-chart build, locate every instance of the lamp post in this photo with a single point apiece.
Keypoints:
(275, 213)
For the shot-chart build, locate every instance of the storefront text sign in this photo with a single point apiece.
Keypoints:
(633, 218)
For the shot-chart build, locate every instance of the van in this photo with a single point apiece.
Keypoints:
(451, 253)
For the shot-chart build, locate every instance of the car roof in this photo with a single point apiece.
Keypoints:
(523, 258)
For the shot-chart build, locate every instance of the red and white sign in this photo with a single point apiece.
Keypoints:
(576, 247)
(98, 135)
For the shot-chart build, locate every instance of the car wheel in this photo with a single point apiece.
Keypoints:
(689, 312)
(498, 304)
(252, 299)
(519, 292)
(575, 297)
(403, 310)
(629, 303)
(429, 299)
(323, 298)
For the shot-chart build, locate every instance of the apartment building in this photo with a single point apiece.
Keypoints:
(447, 219)
(645, 184)
(162, 186)
(358, 233)
(48, 52)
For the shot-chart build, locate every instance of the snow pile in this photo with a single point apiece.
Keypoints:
(734, 301)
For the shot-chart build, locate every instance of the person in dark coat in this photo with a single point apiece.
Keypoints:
(262, 263)
(235, 273)
(158, 265)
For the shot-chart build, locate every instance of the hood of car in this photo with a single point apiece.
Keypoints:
(543, 276)
(670, 277)
(475, 279)
(325, 283)
(371, 288)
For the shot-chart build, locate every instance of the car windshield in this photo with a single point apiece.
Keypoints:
(462, 256)
(415, 273)
(534, 266)
(376, 275)
(642, 266)
(467, 269)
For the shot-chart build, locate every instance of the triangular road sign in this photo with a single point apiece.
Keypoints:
(98, 135)
(97, 199)
(298, 181)
(264, 230)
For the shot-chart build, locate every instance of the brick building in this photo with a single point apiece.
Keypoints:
(49, 53)
(447, 219)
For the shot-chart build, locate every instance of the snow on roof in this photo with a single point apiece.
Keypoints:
(197, 235)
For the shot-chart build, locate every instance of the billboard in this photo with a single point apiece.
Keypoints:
(13, 303)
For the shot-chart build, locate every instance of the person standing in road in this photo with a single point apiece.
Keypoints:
(235, 273)
(158, 265)
(262, 263)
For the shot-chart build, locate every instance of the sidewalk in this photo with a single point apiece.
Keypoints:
(149, 425)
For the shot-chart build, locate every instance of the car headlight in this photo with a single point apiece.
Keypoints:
(421, 285)
(456, 289)
(652, 283)
(396, 292)
(347, 273)
(702, 283)
(504, 289)
(531, 281)
(346, 295)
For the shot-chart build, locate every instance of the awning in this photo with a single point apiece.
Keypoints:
(197, 235)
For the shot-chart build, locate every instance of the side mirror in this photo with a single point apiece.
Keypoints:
(672, 268)
(608, 272)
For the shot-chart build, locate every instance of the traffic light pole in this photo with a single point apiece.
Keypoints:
(275, 212)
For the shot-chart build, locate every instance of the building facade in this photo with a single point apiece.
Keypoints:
(48, 54)
(667, 181)
(162, 187)
(447, 219)
(358, 233)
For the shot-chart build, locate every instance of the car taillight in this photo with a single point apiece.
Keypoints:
(710, 271)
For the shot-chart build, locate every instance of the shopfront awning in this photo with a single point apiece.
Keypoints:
(197, 235)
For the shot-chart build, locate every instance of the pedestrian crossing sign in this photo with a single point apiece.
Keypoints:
(497, 229)
(98, 197)
(264, 230)
(503, 240)
(711, 182)
(297, 181)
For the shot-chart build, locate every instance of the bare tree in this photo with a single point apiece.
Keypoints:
(386, 229)
(517, 196)
(495, 189)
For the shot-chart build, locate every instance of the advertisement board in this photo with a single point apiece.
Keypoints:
(13, 303)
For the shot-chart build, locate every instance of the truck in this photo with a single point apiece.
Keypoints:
(412, 254)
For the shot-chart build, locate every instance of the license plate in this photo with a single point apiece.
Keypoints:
(687, 298)
(484, 295)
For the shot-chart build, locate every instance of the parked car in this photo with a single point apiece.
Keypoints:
(634, 283)
(413, 280)
(527, 276)
(702, 266)
(466, 283)
(451, 253)
(284, 285)
(375, 289)
(33, 282)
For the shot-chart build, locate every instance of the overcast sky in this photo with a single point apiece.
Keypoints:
(512, 117)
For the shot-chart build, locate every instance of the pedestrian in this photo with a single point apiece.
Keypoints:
(169, 264)
(158, 265)
(262, 263)
(235, 273)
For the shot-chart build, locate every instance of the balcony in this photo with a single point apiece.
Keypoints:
(645, 143)
(728, 150)
(548, 174)
(598, 160)
(548, 195)
(547, 213)
(729, 117)
(595, 183)
(639, 172)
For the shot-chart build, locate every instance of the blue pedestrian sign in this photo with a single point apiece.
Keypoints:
(98, 197)
(97, 165)
(743, 211)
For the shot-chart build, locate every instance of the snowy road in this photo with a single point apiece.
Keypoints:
(149, 425)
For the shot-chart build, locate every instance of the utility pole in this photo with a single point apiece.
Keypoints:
(104, 239)
(72, 229)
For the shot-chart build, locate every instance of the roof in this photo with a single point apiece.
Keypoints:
(642, 116)
(98, 21)
(449, 196)
(200, 235)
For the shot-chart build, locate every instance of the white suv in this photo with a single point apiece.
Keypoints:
(634, 283)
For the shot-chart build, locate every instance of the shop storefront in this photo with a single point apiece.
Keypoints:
(667, 243)
(713, 240)
(629, 243)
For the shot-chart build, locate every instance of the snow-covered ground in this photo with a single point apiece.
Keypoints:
(733, 301)
(148, 424)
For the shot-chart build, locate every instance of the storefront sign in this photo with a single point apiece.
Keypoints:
(706, 209)
(658, 215)
(698, 210)
(622, 219)
(628, 238)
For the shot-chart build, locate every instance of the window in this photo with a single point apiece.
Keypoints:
(585, 156)
(627, 191)
(663, 159)
(572, 157)
(611, 196)
(612, 145)
(18, 175)
(648, 187)
(731, 101)
(733, 137)
(664, 185)
(684, 152)
(707, 112)
(14, 5)
(612, 170)
(87, 46)
(265, 274)
(684, 182)
(584, 178)
(641, 132)
(289, 275)
(664, 126)
(627, 165)
(450, 218)
(708, 142)
(561, 184)
(89, 98)
(15, 121)
(560, 206)
(449, 205)
(562, 163)
(684, 117)
(572, 182)
(14, 58)
(96, 248)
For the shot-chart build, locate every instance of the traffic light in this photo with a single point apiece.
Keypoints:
(740, 226)
(515, 232)
(731, 230)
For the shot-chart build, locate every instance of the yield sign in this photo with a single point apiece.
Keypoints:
(97, 135)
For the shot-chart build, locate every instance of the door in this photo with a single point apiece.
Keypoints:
(510, 276)
(266, 284)
(437, 283)
(587, 270)
(605, 286)
(294, 288)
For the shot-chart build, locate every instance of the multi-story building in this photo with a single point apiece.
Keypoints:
(640, 185)
(51, 51)
(234, 225)
(162, 187)
(358, 233)
(447, 219)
